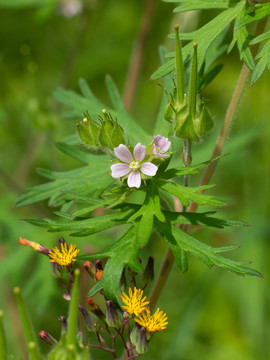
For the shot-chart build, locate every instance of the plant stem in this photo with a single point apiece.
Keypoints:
(137, 55)
(73, 311)
(225, 130)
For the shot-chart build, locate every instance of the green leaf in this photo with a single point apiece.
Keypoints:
(206, 253)
(262, 37)
(171, 173)
(240, 37)
(264, 61)
(132, 128)
(209, 76)
(85, 227)
(124, 252)
(203, 37)
(80, 104)
(149, 209)
(187, 194)
(202, 4)
(205, 218)
(85, 180)
(88, 93)
(74, 152)
(260, 11)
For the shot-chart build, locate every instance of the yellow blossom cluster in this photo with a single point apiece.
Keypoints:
(136, 304)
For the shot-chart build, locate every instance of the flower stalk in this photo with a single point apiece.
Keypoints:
(3, 343)
(73, 311)
(27, 327)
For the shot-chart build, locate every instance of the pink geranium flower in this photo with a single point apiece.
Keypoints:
(160, 146)
(132, 164)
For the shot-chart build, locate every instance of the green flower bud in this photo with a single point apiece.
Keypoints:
(141, 344)
(134, 335)
(88, 131)
(90, 323)
(114, 316)
(193, 127)
(111, 134)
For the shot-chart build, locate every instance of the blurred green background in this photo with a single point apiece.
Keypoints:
(212, 314)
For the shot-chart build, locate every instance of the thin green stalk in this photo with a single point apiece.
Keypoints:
(27, 327)
(225, 130)
(3, 343)
(73, 312)
(230, 114)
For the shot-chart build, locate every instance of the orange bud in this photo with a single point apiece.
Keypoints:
(99, 274)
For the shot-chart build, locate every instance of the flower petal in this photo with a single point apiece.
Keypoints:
(119, 170)
(139, 152)
(149, 169)
(123, 153)
(162, 142)
(134, 179)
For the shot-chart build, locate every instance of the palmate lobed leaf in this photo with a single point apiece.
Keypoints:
(262, 64)
(259, 12)
(151, 208)
(204, 37)
(84, 227)
(206, 218)
(80, 104)
(187, 194)
(124, 252)
(240, 37)
(209, 255)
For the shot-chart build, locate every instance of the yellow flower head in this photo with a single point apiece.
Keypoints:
(65, 256)
(156, 322)
(134, 302)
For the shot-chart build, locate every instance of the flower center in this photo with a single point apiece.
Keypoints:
(134, 165)
(158, 149)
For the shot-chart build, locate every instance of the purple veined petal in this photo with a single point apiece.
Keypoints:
(154, 149)
(162, 142)
(149, 169)
(119, 170)
(139, 152)
(123, 153)
(134, 179)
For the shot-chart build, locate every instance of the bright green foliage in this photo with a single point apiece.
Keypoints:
(124, 252)
(204, 37)
(78, 192)
(240, 36)
(207, 254)
(149, 210)
(263, 62)
(89, 103)
(241, 13)
(259, 12)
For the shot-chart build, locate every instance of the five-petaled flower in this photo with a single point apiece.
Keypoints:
(135, 304)
(132, 164)
(65, 256)
(160, 146)
(152, 323)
